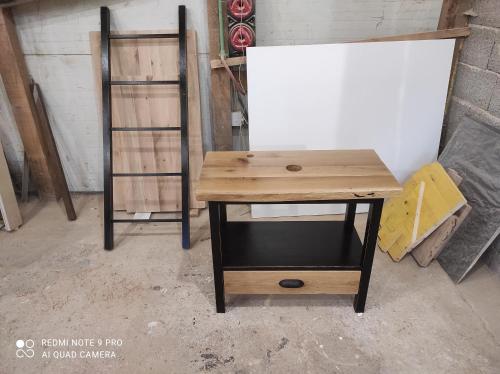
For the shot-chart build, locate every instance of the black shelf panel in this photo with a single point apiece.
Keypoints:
(290, 245)
(143, 83)
(131, 220)
(146, 128)
(147, 174)
(144, 36)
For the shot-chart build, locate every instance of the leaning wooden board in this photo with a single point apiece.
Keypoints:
(432, 246)
(9, 209)
(429, 198)
(49, 147)
(149, 106)
(16, 81)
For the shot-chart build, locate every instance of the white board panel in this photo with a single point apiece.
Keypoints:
(388, 96)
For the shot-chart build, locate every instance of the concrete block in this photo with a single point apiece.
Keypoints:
(459, 109)
(494, 107)
(474, 85)
(456, 112)
(478, 46)
(488, 13)
(483, 116)
(494, 60)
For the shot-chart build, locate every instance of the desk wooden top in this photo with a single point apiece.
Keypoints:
(267, 176)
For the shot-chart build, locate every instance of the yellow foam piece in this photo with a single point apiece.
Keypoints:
(405, 222)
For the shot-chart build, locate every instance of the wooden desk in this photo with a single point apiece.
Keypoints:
(311, 257)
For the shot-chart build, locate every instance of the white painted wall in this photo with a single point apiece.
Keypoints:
(54, 37)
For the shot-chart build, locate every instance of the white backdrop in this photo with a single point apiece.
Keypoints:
(389, 96)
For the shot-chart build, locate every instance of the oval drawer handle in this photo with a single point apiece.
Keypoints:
(291, 283)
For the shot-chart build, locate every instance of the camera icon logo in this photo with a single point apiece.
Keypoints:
(25, 348)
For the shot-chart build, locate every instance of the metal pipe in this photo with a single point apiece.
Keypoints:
(222, 51)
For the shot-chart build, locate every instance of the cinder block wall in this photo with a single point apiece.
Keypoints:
(477, 87)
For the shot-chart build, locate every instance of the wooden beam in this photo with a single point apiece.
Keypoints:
(231, 61)
(15, 77)
(220, 85)
(453, 14)
(8, 203)
(50, 149)
(11, 3)
(430, 35)
(458, 32)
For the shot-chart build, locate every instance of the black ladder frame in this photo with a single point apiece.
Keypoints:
(107, 83)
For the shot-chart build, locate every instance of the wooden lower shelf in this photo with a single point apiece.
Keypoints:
(297, 245)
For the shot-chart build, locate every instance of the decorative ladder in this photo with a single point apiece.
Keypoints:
(107, 83)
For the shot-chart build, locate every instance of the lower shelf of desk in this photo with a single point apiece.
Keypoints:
(297, 245)
(256, 256)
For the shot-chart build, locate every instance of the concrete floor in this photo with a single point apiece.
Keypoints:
(58, 282)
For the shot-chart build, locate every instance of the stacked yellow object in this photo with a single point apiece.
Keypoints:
(429, 197)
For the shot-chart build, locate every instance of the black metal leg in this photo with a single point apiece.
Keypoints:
(223, 214)
(215, 228)
(369, 245)
(183, 94)
(350, 215)
(106, 130)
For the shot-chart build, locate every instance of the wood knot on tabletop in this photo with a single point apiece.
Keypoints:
(293, 167)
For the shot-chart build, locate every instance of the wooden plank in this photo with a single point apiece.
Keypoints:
(119, 196)
(432, 246)
(50, 150)
(194, 212)
(399, 216)
(220, 91)
(452, 14)
(458, 32)
(405, 224)
(230, 61)
(430, 35)
(295, 176)
(11, 3)
(420, 200)
(25, 180)
(455, 177)
(8, 203)
(149, 106)
(142, 215)
(15, 77)
(315, 282)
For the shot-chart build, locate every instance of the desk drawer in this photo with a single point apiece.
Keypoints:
(292, 282)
